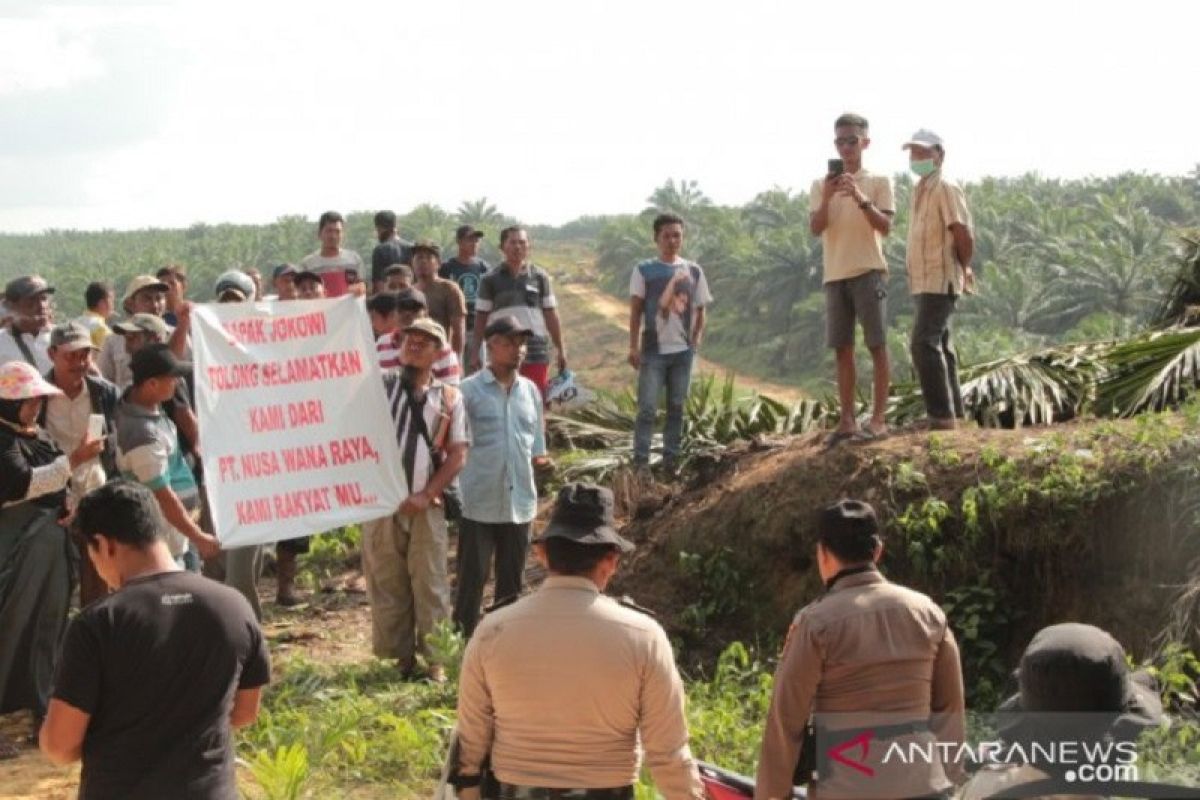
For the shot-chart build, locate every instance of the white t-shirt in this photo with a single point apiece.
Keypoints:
(67, 422)
(672, 334)
(39, 346)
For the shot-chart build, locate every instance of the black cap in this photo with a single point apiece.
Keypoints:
(306, 275)
(467, 232)
(411, 300)
(157, 361)
(426, 246)
(848, 521)
(584, 514)
(507, 325)
(26, 286)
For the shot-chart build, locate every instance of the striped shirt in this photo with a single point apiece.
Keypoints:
(525, 296)
(148, 452)
(933, 268)
(446, 367)
(415, 452)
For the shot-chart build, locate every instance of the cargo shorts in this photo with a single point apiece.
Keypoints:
(862, 298)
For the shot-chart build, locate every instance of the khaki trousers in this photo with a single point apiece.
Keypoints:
(404, 561)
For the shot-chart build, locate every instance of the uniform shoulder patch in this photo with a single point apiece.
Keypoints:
(627, 601)
(502, 602)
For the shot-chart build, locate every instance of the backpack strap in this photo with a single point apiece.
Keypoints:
(19, 338)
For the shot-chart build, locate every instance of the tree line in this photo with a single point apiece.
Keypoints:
(1059, 261)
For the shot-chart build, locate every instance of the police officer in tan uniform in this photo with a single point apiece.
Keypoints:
(562, 686)
(875, 662)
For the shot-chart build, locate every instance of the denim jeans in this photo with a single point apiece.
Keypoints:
(674, 371)
(934, 358)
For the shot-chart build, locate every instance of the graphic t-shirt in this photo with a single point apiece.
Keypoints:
(467, 276)
(157, 665)
(685, 295)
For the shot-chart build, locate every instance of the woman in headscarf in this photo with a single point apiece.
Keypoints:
(35, 551)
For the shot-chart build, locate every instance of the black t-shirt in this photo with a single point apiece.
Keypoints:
(393, 251)
(467, 276)
(156, 665)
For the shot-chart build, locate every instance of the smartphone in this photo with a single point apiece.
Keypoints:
(95, 428)
(836, 167)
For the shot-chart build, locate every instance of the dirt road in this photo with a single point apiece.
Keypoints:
(605, 346)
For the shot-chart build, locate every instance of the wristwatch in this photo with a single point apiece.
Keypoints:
(459, 781)
(865, 204)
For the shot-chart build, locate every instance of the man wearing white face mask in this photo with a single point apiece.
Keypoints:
(940, 246)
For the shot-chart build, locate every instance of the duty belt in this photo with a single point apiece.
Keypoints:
(510, 792)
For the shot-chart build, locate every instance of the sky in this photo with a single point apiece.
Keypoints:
(129, 115)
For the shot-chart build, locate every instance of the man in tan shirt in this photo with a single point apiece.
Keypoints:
(566, 687)
(852, 211)
(867, 656)
(940, 246)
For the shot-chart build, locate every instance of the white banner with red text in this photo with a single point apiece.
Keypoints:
(295, 432)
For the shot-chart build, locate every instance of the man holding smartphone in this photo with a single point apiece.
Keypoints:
(82, 413)
(852, 210)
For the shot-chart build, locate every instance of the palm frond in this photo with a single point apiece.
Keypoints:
(1181, 303)
(1150, 373)
(1037, 388)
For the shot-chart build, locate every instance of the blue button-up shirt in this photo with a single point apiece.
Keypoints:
(506, 433)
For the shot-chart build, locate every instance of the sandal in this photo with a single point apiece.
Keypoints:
(868, 435)
(837, 437)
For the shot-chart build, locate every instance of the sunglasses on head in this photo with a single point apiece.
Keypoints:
(849, 140)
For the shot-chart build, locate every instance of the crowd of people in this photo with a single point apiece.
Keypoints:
(562, 691)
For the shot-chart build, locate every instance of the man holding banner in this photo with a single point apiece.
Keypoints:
(148, 452)
(404, 554)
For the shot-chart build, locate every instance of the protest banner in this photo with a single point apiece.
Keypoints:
(295, 431)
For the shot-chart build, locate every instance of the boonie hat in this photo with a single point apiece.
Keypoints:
(583, 513)
(1074, 676)
(20, 380)
(143, 282)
